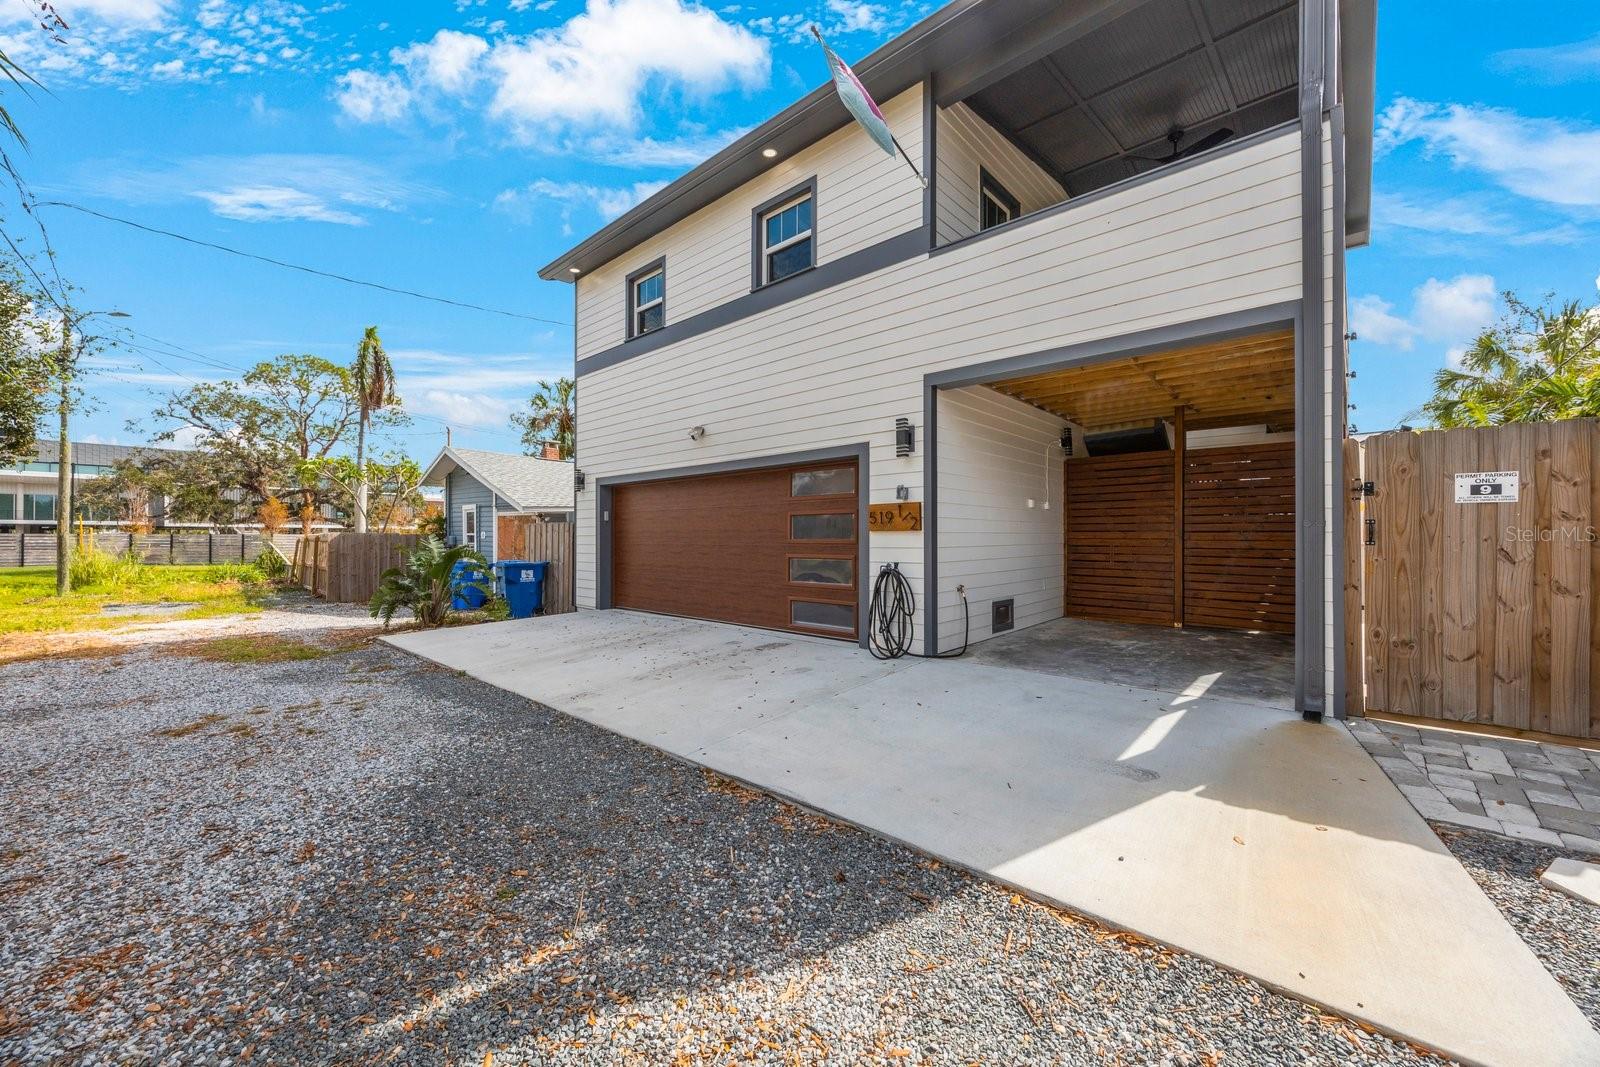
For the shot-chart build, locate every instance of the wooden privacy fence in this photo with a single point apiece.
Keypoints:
(39, 550)
(344, 567)
(523, 537)
(1476, 608)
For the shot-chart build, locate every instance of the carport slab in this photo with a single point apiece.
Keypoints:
(1228, 829)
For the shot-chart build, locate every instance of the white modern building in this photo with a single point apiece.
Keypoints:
(29, 489)
(1100, 352)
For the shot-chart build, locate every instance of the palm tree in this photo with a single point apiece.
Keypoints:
(374, 379)
(550, 418)
(1537, 365)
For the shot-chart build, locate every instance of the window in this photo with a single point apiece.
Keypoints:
(822, 616)
(647, 299)
(830, 481)
(822, 527)
(8, 506)
(996, 205)
(821, 571)
(785, 235)
(469, 518)
(40, 507)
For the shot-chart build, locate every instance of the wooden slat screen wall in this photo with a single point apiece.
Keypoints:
(1119, 537)
(1482, 613)
(1238, 537)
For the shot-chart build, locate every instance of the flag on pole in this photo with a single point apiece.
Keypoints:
(862, 107)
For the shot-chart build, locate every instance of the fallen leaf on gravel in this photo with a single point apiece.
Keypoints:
(1238, 840)
(488, 1059)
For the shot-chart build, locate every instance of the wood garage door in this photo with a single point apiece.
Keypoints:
(1119, 534)
(775, 548)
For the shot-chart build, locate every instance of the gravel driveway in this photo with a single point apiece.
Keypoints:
(361, 858)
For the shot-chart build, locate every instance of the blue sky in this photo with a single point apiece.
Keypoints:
(453, 147)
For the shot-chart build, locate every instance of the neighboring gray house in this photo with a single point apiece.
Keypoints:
(481, 487)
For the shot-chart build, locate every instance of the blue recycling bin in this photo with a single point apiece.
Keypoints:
(469, 585)
(524, 586)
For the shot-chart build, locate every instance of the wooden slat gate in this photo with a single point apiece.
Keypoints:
(1475, 612)
(523, 537)
(1197, 538)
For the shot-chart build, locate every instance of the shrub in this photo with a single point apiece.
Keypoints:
(93, 567)
(423, 583)
(273, 567)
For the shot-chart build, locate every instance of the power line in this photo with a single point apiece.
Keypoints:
(299, 267)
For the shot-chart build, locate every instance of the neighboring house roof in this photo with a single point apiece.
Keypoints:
(961, 46)
(96, 452)
(526, 483)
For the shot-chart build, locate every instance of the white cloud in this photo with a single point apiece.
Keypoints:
(448, 63)
(136, 12)
(636, 151)
(276, 203)
(1465, 215)
(594, 71)
(369, 97)
(1555, 161)
(1450, 311)
(479, 410)
(269, 187)
(605, 201)
(1456, 309)
(850, 17)
(1574, 61)
(1373, 319)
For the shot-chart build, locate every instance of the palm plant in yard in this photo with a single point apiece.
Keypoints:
(422, 583)
(374, 381)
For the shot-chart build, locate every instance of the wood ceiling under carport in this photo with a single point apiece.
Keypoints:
(1089, 108)
(1227, 383)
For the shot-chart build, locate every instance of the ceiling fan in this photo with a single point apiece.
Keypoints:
(1175, 139)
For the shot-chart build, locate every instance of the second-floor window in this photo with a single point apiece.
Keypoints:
(995, 205)
(647, 299)
(787, 240)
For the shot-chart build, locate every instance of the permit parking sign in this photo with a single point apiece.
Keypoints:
(1487, 487)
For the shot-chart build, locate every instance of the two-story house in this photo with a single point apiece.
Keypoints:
(1102, 349)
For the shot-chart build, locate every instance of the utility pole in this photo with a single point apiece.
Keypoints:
(64, 465)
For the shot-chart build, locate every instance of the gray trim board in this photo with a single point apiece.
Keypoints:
(758, 245)
(930, 162)
(861, 452)
(886, 253)
(1198, 331)
(1341, 418)
(659, 263)
(1310, 439)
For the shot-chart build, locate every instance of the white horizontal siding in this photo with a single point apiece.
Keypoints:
(838, 366)
(964, 144)
(1000, 510)
(863, 197)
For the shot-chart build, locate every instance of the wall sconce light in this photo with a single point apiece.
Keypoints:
(578, 480)
(696, 432)
(1066, 441)
(904, 438)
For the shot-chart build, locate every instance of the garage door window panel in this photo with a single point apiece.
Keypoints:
(821, 615)
(840, 527)
(813, 570)
(824, 481)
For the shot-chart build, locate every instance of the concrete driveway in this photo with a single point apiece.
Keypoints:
(1228, 829)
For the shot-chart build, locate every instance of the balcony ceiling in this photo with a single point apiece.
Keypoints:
(1227, 383)
(1085, 110)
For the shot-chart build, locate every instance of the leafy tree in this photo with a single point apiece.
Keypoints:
(1538, 364)
(374, 380)
(25, 369)
(123, 495)
(268, 433)
(392, 484)
(423, 584)
(550, 418)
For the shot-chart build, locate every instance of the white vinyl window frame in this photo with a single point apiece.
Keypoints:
(637, 308)
(761, 251)
(769, 250)
(469, 525)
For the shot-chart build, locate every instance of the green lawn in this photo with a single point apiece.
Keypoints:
(28, 603)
